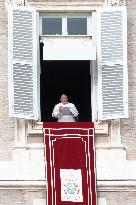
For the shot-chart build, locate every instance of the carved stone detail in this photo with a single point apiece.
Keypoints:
(15, 3)
(101, 127)
(35, 128)
(117, 2)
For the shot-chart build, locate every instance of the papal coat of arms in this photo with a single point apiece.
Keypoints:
(71, 185)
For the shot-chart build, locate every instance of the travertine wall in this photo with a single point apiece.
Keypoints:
(23, 197)
(6, 124)
(119, 198)
(27, 197)
(128, 126)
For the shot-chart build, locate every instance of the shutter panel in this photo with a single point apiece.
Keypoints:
(112, 63)
(22, 63)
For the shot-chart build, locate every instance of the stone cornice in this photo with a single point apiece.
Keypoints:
(106, 186)
(26, 184)
(61, 4)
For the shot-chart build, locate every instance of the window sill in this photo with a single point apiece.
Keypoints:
(37, 127)
(64, 36)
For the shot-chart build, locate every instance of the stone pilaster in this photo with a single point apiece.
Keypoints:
(21, 151)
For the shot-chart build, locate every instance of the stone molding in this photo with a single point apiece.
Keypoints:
(129, 186)
(26, 184)
(54, 5)
(57, 6)
(123, 186)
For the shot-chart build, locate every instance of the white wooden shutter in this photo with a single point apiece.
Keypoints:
(22, 63)
(112, 63)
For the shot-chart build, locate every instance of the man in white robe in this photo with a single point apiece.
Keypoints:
(65, 111)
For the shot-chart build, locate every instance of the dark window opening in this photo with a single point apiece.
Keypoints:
(69, 77)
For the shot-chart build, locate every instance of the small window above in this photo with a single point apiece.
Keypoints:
(65, 25)
(77, 26)
(51, 26)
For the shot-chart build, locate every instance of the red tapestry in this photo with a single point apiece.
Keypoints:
(70, 163)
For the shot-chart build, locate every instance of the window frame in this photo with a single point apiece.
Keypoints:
(35, 72)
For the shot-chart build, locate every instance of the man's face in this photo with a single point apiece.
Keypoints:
(64, 99)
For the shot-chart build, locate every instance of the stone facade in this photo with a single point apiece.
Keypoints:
(22, 196)
(122, 198)
(128, 127)
(22, 176)
(7, 126)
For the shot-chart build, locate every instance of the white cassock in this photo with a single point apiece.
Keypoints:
(67, 114)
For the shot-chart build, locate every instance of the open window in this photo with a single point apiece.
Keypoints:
(71, 78)
(109, 77)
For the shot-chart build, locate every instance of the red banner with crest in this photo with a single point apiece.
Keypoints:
(70, 163)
